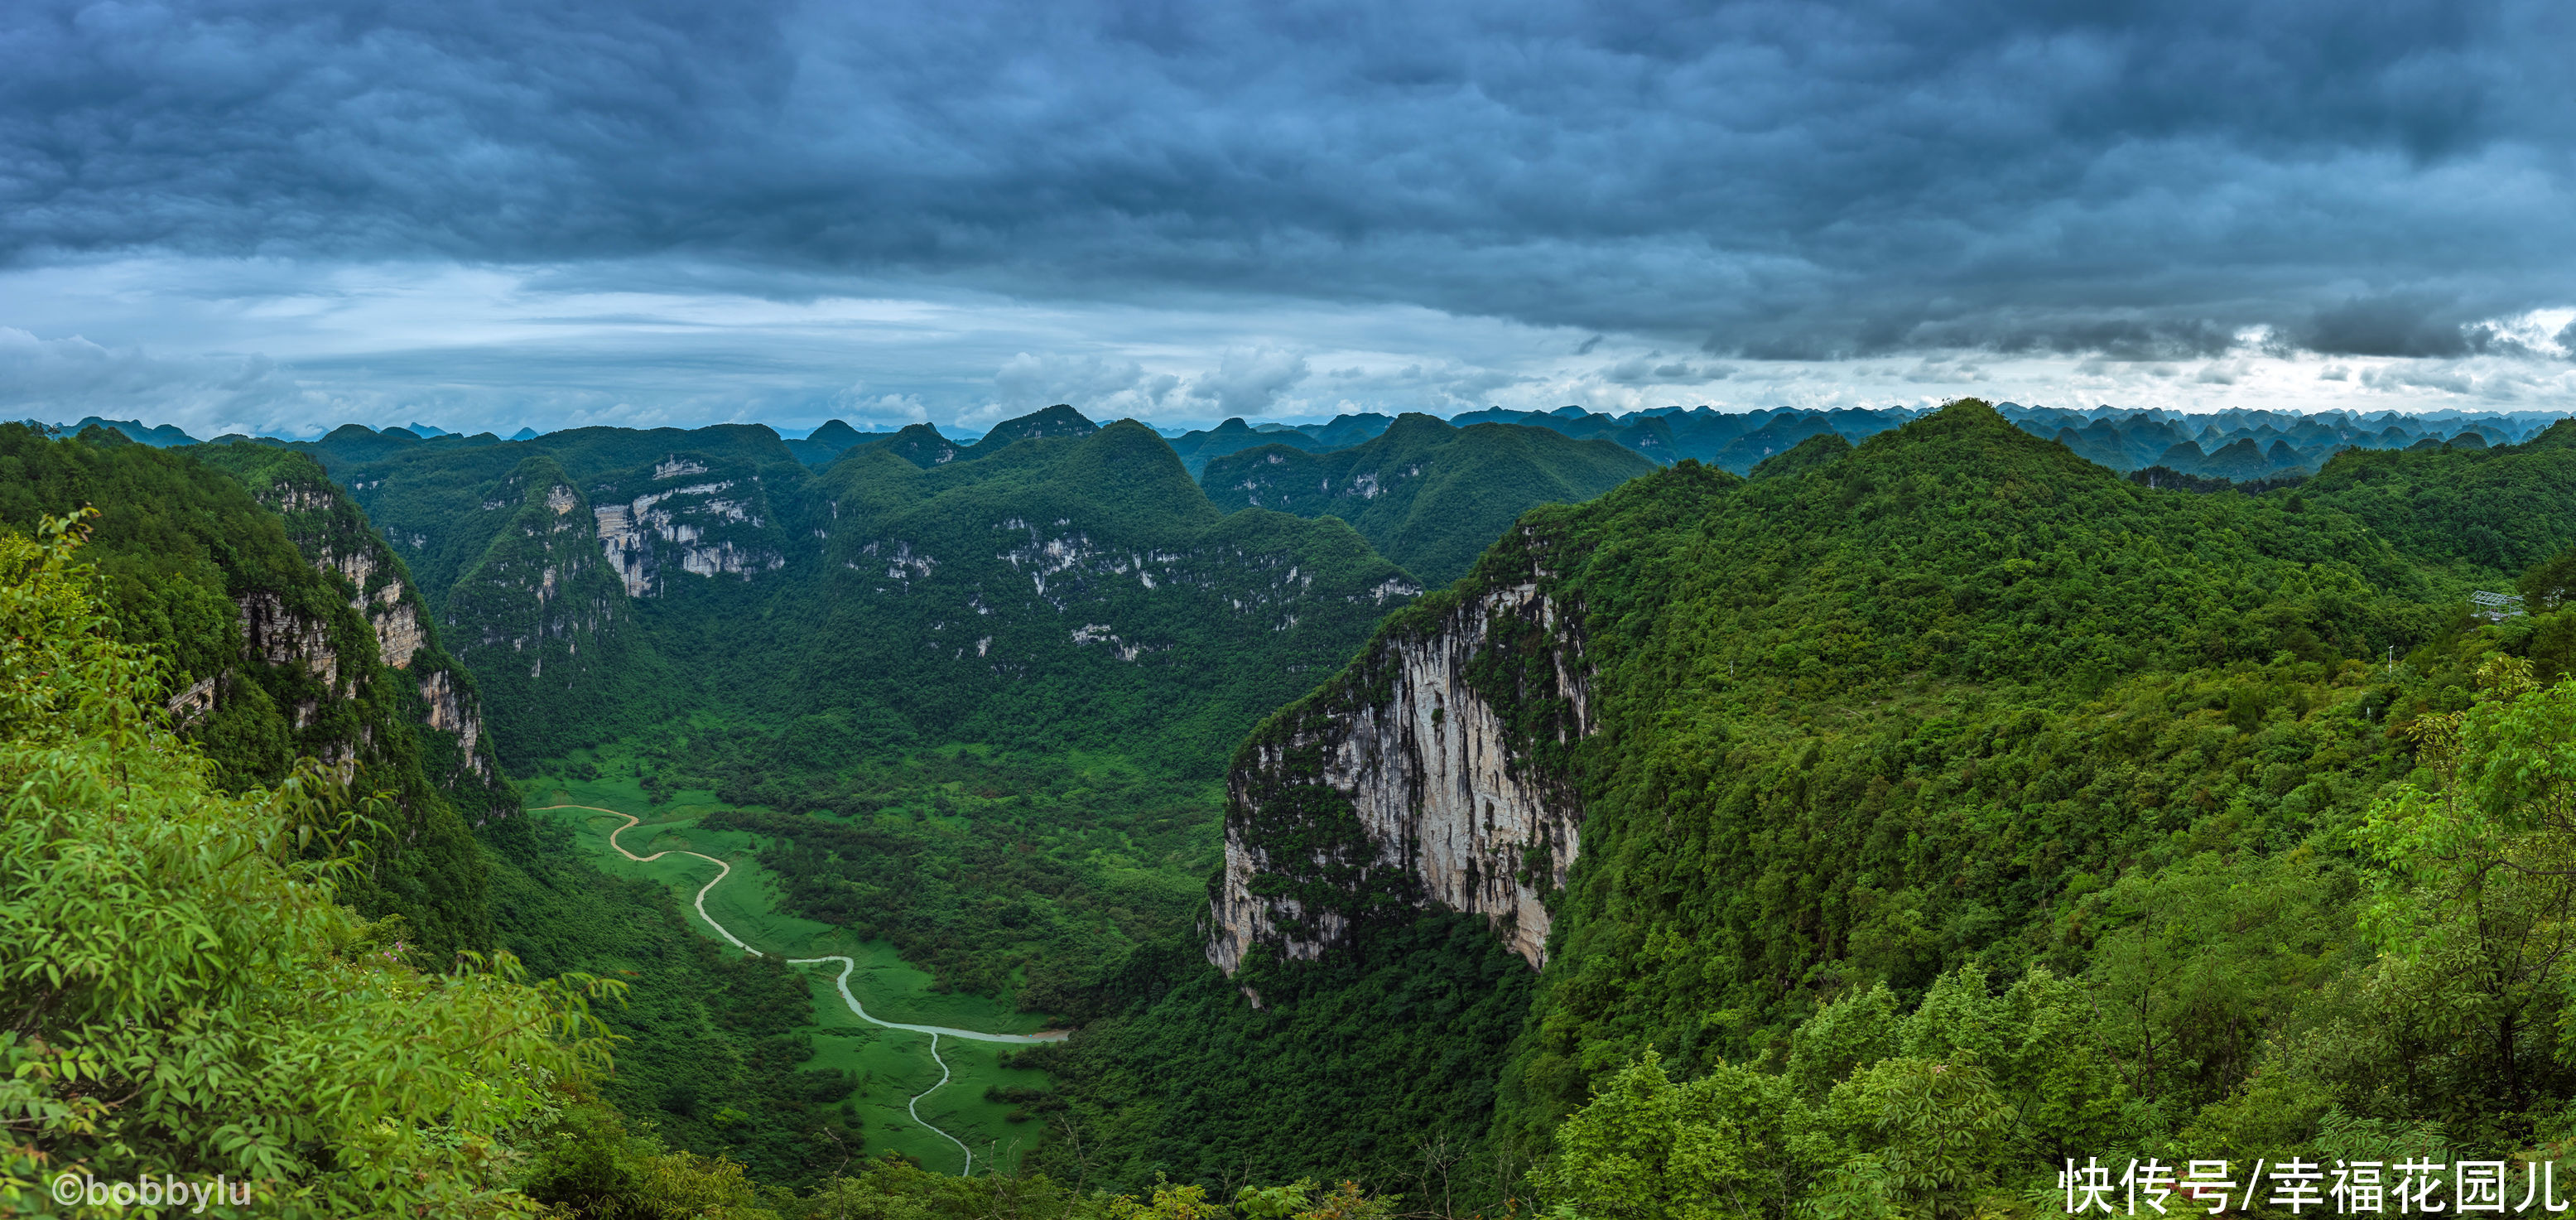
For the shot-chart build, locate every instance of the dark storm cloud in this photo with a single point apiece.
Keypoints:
(2143, 181)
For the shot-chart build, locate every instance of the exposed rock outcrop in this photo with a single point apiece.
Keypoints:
(332, 533)
(684, 526)
(455, 711)
(1429, 772)
(197, 700)
(541, 620)
(273, 633)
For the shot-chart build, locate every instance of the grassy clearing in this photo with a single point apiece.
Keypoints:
(891, 1066)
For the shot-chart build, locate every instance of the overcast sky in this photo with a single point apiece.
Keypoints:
(489, 213)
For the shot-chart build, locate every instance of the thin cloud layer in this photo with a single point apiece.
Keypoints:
(1691, 202)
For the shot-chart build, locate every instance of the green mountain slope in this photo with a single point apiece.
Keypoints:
(332, 533)
(742, 584)
(825, 444)
(545, 623)
(1426, 495)
(1948, 751)
(1058, 420)
(904, 631)
(1075, 590)
(2499, 509)
(1199, 448)
(270, 656)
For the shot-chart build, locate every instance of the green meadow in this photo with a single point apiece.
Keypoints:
(891, 1066)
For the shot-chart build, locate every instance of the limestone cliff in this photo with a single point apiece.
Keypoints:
(276, 633)
(685, 517)
(1081, 571)
(542, 619)
(1431, 771)
(332, 533)
(244, 568)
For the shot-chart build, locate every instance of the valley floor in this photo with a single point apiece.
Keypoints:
(891, 1049)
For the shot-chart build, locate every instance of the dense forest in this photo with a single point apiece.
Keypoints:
(1950, 776)
(1952, 802)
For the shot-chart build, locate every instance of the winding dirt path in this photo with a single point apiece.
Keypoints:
(842, 984)
(723, 870)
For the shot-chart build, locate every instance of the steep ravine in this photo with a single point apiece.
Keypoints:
(1428, 773)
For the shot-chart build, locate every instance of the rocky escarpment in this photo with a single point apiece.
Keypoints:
(274, 632)
(332, 533)
(454, 710)
(1077, 572)
(1430, 772)
(691, 520)
(541, 591)
(244, 568)
(543, 621)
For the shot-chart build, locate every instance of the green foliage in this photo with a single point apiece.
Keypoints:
(178, 544)
(712, 1054)
(1375, 1066)
(1121, 611)
(184, 997)
(2478, 901)
(1877, 1114)
(547, 627)
(332, 534)
(186, 555)
(1426, 495)
(1930, 1137)
(2197, 963)
(1005, 875)
(1883, 725)
(594, 1165)
(2551, 584)
(1812, 691)
(1649, 1149)
(1072, 591)
(2497, 510)
(1815, 452)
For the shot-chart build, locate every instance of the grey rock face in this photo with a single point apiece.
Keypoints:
(1446, 809)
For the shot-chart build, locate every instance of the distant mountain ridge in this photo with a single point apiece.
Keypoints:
(1427, 495)
(2124, 439)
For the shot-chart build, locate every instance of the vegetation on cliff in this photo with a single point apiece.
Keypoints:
(1074, 590)
(1951, 764)
(271, 660)
(184, 996)
(546, 625)
(333, 534)
(1950, 806)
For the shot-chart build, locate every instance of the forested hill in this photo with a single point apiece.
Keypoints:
(2474, 508)
(1056, 582)
(282, 646)
(1428, 496)
(743, 579)
(1944, 774)
(1075, 589)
